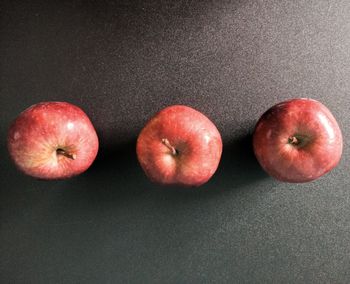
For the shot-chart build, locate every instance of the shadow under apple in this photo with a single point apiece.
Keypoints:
(116, 173)
(117, 176)
(239, 166)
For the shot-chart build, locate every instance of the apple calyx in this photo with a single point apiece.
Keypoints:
(63, 152)
(166, 142)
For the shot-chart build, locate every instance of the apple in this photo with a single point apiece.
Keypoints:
(52, 140)
(179, 146)
(297, 141)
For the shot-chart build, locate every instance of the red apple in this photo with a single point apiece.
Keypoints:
(180, 146)
(297, 141)
(52, 140)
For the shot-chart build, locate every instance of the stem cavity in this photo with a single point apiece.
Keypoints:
(299, 141)
(293, 140)
(63, 152)
(166, 142)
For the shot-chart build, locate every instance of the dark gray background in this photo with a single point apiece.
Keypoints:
(121, 62)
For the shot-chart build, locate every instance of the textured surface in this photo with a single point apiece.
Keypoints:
(121, 62)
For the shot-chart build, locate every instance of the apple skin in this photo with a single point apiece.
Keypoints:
(298, 141)
(179, 146)
(52, 140)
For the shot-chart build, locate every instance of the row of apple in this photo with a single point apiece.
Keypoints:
(294, 141)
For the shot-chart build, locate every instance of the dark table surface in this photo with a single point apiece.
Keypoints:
(123, 61)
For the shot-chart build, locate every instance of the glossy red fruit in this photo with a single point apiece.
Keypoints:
(52, 140)
(179, 145)
(297, 141)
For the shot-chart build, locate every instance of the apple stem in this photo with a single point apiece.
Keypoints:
(293, 140)
(66, 154)
(167, 143)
